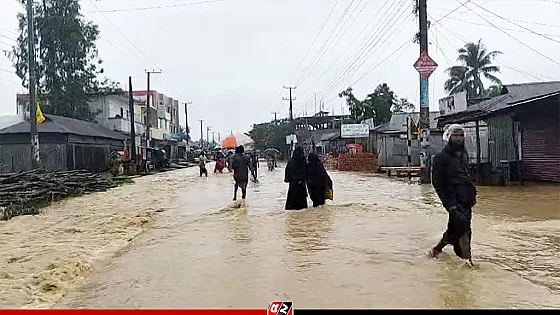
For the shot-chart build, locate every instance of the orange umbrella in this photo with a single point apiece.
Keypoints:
(232, 141)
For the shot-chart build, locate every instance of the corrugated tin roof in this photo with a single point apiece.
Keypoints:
(330, 136)
(398, 122)
(515, 93)
(65, 125)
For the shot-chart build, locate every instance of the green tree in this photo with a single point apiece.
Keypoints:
(271, 134)
(402, 105)
(67, 62)
(380, 102)
(476, 62)
(355, 105)
(378, 105)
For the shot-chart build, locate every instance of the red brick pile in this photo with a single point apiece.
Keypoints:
(330, 162)
(358, 162)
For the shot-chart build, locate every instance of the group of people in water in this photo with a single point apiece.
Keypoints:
(305, 176)
(451, 179)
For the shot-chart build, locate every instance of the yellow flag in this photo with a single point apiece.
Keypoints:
(40, 117)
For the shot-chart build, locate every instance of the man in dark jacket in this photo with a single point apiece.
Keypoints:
(454, 185)
(241, 164)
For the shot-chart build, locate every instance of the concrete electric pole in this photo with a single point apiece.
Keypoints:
(187, 120)
(132, 124)
(35, 157)
(148, 133)
(208, 136)
(291, 115)
(290, 99)
(201, 134)
(424, 120)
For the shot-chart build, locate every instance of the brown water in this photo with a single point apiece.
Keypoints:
(45, 256)
(365, 249)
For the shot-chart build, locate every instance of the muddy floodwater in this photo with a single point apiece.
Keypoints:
(366, 249)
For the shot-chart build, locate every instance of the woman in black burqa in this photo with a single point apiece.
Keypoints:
(295, 176)
(318, 180)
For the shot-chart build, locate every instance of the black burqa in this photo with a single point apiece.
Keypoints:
(295, 176)
(318, 180)
(455, 187)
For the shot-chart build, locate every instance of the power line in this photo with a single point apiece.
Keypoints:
(366, 51)
(317, 36)
(159, 6)
(2, 35)
(504, 28)
(524, 73)
(408, 41)
(312, 63)
(364, 48)
(343, 32)
(451, 12)
(133, 45)
(352, 43)
(349, 70)
(9, 31)
(517, 40)
(517, 20)
(443, 53)
(523, 27)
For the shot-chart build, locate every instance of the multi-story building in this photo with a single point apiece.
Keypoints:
(112, 111)
(164, 113)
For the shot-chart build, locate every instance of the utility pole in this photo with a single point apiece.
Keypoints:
(148, 107)
(409, 146)
(208, 136)
(315, 104)
(290, 99)
(35, 157)
(187, 120)
(201, 133)
(132, 125)
(213, 137)
(291, 114)
(424, 121)
(275, 118)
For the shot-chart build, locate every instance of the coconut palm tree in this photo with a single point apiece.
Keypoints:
(476, 62)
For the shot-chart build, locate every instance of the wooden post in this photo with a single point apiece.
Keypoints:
(478, 157)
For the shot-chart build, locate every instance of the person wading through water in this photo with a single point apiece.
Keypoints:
(318, 180)
(202, 165)
(255, 163)
(295, 176)
(454, 185)
(240, 164)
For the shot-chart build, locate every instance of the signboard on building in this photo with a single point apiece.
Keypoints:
(453, 103)
(354, 131)
(425, 65)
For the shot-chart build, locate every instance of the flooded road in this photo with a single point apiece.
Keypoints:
(365, 250)
(45, 256)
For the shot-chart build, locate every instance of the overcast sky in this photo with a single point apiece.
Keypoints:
(230, 58)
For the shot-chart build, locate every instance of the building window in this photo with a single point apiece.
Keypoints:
(122, 112)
